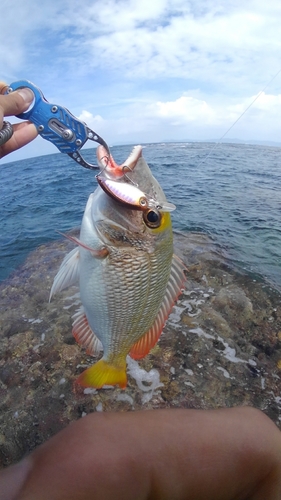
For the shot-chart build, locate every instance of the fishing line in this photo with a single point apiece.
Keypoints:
(242, 114)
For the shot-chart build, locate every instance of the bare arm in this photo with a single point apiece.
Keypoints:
(155, 455)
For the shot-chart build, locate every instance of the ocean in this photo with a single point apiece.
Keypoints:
(231, 192)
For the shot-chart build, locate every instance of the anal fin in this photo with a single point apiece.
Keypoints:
(174, 287)
(83, 333)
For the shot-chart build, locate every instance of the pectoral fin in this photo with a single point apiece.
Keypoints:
(177, 278)
(98, 253)
(68, 273)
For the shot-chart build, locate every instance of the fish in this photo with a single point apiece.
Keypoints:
(128, 274)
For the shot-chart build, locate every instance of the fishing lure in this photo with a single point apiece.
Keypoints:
(133, 197)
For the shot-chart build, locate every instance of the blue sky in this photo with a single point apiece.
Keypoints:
(150, 70)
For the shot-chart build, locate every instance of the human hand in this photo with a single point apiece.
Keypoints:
(13, 104)
(178, 454)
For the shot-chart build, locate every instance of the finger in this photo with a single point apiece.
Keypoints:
(180, 454)
(3, 87)
(24, 133)
(14, 103)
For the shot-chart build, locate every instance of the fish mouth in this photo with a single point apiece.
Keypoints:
(126, 192)
(109, 168)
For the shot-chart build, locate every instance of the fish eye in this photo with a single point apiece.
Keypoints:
(152, 218)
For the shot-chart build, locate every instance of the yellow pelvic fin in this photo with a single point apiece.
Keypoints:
(104, 373)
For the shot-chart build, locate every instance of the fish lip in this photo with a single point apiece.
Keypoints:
(133, 157)
(109, 168)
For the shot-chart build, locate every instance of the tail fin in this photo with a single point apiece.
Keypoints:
(104, 373)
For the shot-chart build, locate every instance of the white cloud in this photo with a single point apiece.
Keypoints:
(90, 119)
(269, 102)
(209, 40)
(220, 43)
(151, 70)
(226, 43)
(191, 118)
(184, 109)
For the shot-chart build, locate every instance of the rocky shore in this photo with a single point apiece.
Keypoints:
(221, 347)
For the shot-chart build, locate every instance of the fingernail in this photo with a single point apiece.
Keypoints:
(27, 95)
(13, 478)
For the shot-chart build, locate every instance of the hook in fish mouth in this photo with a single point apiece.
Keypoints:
(111, 168)
(128, 192)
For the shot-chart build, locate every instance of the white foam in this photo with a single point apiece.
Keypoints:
(141, 376)
(189, 383)
(224, 371)
(277, 399)
(76, 300)
(252, 362)
(230, 353)
(76, 303)
(196, 298)
(126, 398)
(188, 292)
(36, 347)
(198, 331)
(175, 315)
(89, 390)
(75, 296)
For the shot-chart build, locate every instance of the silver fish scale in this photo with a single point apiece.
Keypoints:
(130, 292)
(144, 281)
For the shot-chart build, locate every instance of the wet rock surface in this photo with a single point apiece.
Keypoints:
(221, 347)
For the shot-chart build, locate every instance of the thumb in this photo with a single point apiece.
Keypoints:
(15, 102)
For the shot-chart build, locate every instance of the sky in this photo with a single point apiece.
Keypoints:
(150, 70)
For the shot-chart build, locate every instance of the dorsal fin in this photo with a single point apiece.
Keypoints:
(83, 333)
(177, 278)
(68, 273)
